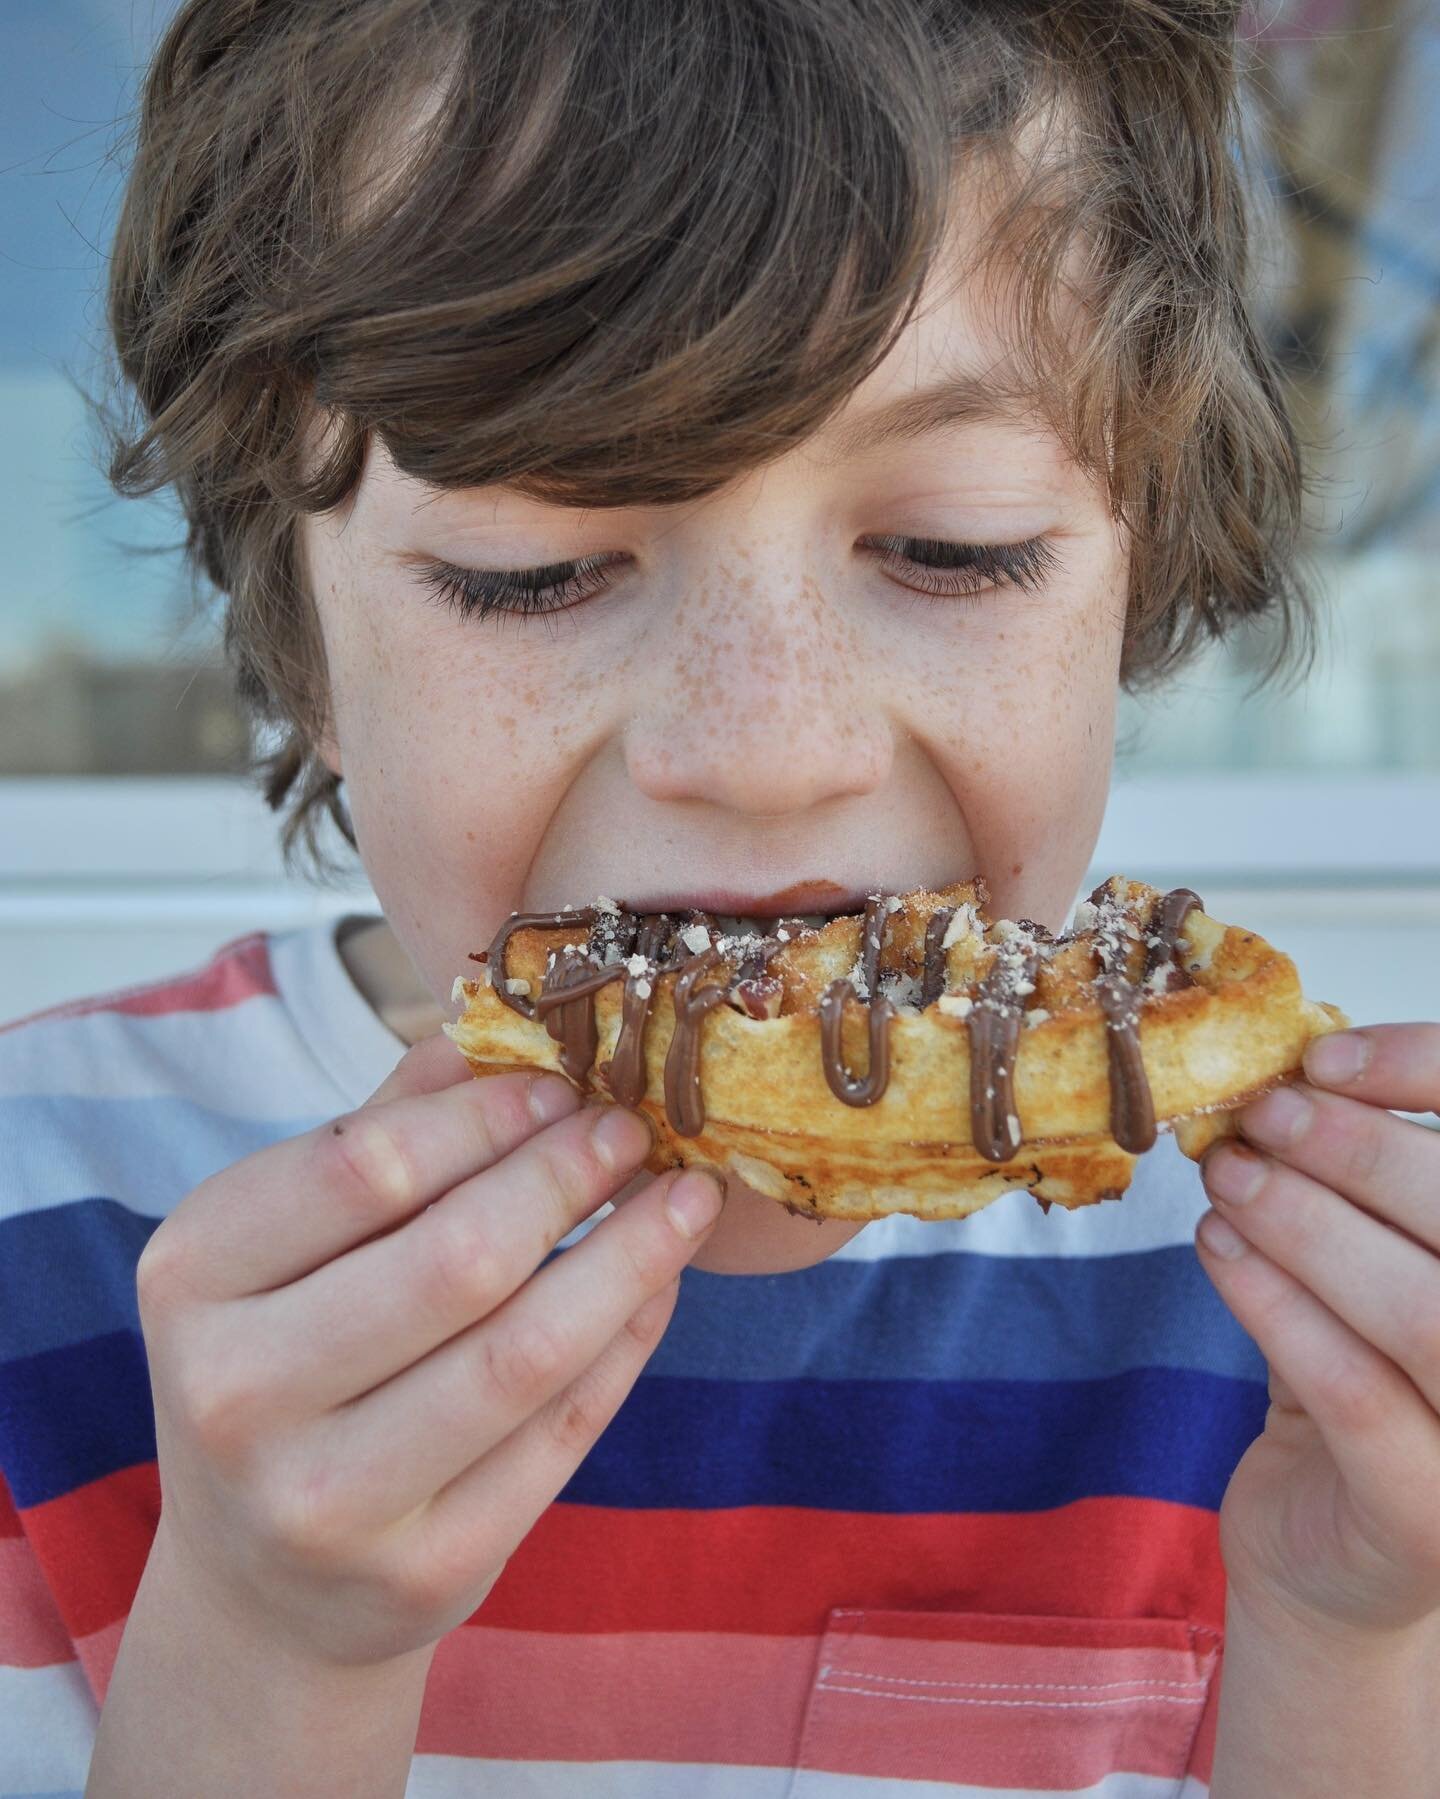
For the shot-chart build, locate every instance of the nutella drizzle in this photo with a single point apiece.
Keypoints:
(994, 1025)
(683, 1103)
(640, 949)
(932, 981)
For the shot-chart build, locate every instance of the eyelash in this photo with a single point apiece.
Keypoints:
(476, 593)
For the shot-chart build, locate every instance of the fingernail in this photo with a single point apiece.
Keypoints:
(551, 1098)
(1278, 1118)
(1221, 1239)
(1337, 1057)
(621, 1138)
(1234, 1173)
(694, 1203)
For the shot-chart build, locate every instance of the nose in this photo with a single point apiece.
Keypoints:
(766, 702)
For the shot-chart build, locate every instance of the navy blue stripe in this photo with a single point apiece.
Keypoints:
(68, 1416)
(72, 1415)
(889, 1446)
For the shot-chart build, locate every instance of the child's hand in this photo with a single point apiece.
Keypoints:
(363, 1400)
(1333, 1266)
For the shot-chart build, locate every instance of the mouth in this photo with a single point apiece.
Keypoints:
(810, 903)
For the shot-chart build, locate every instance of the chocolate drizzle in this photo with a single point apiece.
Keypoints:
(994, 1024)
(641, 949)
(684, 1105)
(1132, 1113)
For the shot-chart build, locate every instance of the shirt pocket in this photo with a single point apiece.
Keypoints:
(1112, 1708)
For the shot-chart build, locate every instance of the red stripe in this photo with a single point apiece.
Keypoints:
(693, 1636)
(10, 1525)
(1070, 1704)
(93, 1544)
(31, 1634)
(778, 1571)
(527, 1696)
(238, 971)
(1066, 1704)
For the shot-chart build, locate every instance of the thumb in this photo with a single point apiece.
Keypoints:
(426, 1067)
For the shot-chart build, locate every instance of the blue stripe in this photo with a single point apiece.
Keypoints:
(891, 1446)
(72, 1415)
(983, 1317)
(68, 1273)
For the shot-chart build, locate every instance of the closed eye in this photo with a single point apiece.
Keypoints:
(947, 570)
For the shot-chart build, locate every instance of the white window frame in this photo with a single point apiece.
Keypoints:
(107, 849)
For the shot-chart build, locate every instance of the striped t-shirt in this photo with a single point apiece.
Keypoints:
(936, 1517)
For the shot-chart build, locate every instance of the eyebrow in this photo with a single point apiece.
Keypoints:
(958, 400)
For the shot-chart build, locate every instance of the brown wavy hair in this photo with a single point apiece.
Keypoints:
(618, 252)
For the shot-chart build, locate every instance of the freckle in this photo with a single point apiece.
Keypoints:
(470, 837)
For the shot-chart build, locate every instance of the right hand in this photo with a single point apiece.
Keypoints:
(365, 1394)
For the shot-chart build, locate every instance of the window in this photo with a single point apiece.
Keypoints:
(115, 711)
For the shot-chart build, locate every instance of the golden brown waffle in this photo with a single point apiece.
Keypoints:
(1003, 1057)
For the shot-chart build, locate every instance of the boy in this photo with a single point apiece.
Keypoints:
(866, 392)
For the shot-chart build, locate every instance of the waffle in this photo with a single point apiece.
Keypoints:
(921, 1057)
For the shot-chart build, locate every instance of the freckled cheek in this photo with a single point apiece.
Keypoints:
(454, 763)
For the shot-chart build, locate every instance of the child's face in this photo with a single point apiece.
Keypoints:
(758, 701)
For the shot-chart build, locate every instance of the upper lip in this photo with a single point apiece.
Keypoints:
(827, 897)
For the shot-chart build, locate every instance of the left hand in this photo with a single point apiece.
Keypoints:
(1332, 1264)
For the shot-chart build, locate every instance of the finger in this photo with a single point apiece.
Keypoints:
(1383, 1436)
(366, 1315)
(1382, 1285)
(1395, 1065)
(479, 1519)
(428, 1065)
(396, 1447)
(1389, 1165)
(287, 1209)
(1282, 1395)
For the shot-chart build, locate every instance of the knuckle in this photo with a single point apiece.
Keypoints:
(223, 1413)
(647, 1326)
(576, 1417)
(1360, 1396)
(568, 1176)
(299, 1516)
(522, 1361)
(1420, 1335)
(418, 1585)
(461, 1273)
(159, 1273)
(1361, 1150)
(650, 1253)
(365, 1165)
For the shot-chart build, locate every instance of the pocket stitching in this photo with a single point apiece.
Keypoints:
(1059, 1705)
(1016, 1686)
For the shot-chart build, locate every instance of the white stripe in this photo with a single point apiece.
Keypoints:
(223, 1060)
(1160, 1210)
(460, 1777)
(811, 1785)
(48, 1720)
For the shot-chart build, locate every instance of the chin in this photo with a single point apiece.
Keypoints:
(756, 1236)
